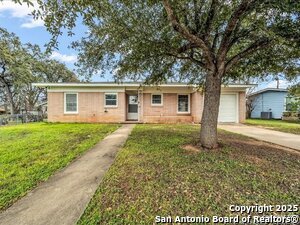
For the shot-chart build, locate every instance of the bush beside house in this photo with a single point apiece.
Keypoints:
(291, 116)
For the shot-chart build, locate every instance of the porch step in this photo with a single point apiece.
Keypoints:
(132, 122)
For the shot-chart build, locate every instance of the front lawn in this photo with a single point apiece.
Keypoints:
(30, 153)
(160, 172)
(280, 125)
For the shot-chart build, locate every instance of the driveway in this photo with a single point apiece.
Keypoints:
(63, 198)
(272, 136)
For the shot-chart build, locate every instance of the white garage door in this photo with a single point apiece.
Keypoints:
(228, 110)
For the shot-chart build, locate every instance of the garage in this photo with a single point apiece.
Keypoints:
(228, 108)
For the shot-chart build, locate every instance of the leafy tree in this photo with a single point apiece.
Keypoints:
(21, 65)
(294, 90)
(43, 70)
(293, 98)
(14, 68)
(205, 42)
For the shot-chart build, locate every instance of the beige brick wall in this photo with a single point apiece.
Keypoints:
(197, 106)
(90, 108)
(167, 113)
(242, 107)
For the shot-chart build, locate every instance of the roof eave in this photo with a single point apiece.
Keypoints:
(268, 89)
(46, 85)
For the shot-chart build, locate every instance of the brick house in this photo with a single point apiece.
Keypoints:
(117, 103)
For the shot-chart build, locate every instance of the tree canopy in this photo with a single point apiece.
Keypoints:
(294, 90)
(159, 40)
(23, 64)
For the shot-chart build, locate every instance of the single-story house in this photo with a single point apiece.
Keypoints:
(118, 103)
(268, 101)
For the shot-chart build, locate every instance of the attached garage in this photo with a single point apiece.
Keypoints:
(228, 110)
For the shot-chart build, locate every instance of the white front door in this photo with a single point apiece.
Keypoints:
(228, 108)
(132, 112)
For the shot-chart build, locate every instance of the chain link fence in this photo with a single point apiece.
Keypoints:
(20, 118)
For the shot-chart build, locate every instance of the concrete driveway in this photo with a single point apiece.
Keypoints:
(272, 136)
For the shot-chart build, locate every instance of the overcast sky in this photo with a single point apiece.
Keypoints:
(15, 18)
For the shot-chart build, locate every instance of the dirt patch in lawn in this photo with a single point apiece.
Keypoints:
(197, 148)
(256, 159)
(191, 149)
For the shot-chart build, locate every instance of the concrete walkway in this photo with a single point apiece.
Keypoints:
(272, 136)
(63, 198)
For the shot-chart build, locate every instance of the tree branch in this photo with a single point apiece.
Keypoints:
(187, 35)
(251, 49)
(200, 63)
(197, 12)
(238, 36)
(186, 47)
(245, 7)
(210, 17)
(196, 16)
(215, 41)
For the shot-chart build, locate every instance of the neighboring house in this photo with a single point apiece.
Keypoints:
(111, 102)
(268, 100)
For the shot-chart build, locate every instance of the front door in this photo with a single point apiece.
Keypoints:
(132, 112)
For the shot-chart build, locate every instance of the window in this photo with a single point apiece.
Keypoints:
(156, 99)
(183, 104)
(133, 99)
(111, 99)
(71, 103)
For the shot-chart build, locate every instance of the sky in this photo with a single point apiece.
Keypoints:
(15, 18)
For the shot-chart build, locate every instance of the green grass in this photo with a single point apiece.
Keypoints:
(154, 176)
(279, 125)
(30, 153)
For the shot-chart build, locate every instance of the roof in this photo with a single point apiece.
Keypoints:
(126, 84)
(268, 89)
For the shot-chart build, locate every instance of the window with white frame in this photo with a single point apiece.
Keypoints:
(71, 103)
(110, 99)
(183, 104)
(156, 99)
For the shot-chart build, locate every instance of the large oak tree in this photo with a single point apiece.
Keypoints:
(21, 65)
(205, 42)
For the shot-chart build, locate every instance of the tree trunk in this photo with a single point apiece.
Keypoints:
(212, 91)
(10, 101)
(9, 95)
